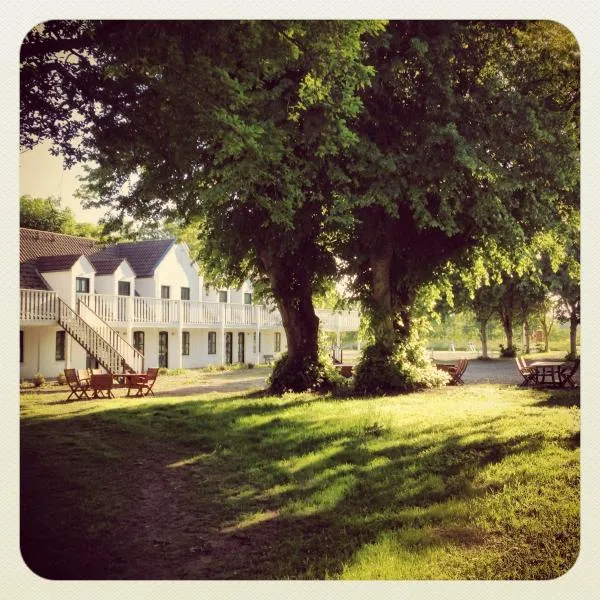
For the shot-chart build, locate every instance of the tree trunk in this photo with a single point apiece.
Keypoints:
(527, 336)
(506, 319)
(573, 334)
(483, 338)
(301, 325)
(382, 318)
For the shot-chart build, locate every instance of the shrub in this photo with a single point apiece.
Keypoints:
(509, 352)
(38, 379)
(61, 379)
(570, 356)
(406, 370)
(250, 366)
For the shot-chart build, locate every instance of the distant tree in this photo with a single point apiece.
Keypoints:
(45, 214)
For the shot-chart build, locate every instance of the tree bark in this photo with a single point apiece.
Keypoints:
(527, 336)
(574, 321)
(382, 315)
(483, 338)
(506, 319)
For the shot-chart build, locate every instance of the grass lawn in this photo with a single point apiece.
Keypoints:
(476, 482)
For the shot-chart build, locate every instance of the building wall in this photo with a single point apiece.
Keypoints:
(176, 271)
(39, 350)
(109, 284)
(146, 287)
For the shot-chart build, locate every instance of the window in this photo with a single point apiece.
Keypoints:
(82, 285)
(124, 288)
(138, 341)
(277, 341)
(185, 293)
(247, 298)
(223, 296)
(59, 353)
(185, 343)
(212, 342)
(20, 346)
(90, 362)
(165, 292)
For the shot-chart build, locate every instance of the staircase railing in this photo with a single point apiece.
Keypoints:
(134, 360)
(89, 339)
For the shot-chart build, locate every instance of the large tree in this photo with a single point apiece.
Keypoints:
(236, 125)
(468, 136)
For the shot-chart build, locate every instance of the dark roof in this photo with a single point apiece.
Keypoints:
(35, 244)
(143, 256)
(105, 265)
(62, 262)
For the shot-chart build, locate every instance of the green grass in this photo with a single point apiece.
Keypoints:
(477, 482)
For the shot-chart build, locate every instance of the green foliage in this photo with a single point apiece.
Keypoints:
(61, 379)
(38, 379)
(45, 214)
(407, 370)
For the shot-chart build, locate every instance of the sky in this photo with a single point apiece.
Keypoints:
(42, 175)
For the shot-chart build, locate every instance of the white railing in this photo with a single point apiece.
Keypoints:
(156, 311)
(239, 314)
(348, 320)
(38, 305)
(132, 357)
(107, 307)
(201, 313)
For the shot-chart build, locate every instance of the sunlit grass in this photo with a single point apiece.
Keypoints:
(476, 482)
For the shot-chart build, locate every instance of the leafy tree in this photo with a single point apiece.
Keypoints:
(45, 214)
(234, 124)
(468, 135)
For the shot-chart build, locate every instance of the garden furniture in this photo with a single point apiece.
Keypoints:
(142, 383)
(529, 375)
(101, 385)
(547, 372)
(566, 373)
(78, 387)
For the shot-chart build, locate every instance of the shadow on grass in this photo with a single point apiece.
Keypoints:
(218, 490)
(563, 398)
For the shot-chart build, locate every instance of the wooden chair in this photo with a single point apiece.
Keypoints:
(566, 374)
(529, 375)
(79, 388)
(101, 385)
(143, 383)
(457, 372)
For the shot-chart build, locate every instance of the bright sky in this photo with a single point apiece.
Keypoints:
(42, 175)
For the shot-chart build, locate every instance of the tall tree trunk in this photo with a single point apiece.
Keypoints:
(382, 318)
(506, 319)
(574, 321)
(527, 336)
(301, 325)
(483, 338)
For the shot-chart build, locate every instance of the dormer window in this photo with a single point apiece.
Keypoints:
(82, 285)
(124, 288)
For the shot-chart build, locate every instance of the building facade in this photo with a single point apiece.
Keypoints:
(136, 305)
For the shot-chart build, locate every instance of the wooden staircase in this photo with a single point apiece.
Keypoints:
(97, 338)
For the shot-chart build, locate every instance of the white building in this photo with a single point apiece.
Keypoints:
(137, 305)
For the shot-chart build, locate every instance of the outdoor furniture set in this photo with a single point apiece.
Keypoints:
(455, 371)
(547, 373)
(101, 385)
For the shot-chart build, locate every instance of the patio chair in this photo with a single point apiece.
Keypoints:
(529, 375)
(77, 386)
(457, 372)
(101, 385)
(566, 374)
(143, 383)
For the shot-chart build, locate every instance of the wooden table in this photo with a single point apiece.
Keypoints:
(125, 379)
(445, 367)
(547, 372)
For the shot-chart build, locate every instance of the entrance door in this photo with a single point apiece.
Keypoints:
(241, 343)
(163, 349)
(228, 348)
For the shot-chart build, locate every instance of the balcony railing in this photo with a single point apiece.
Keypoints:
(137, 311)
(38, 305)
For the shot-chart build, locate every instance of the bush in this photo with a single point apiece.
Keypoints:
(509, 352)
(250, 366)
(572, 356)
(61, 379)
(300, 374)
(406, 370)
(38, 379)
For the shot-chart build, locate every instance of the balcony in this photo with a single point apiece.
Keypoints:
(129, 311)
